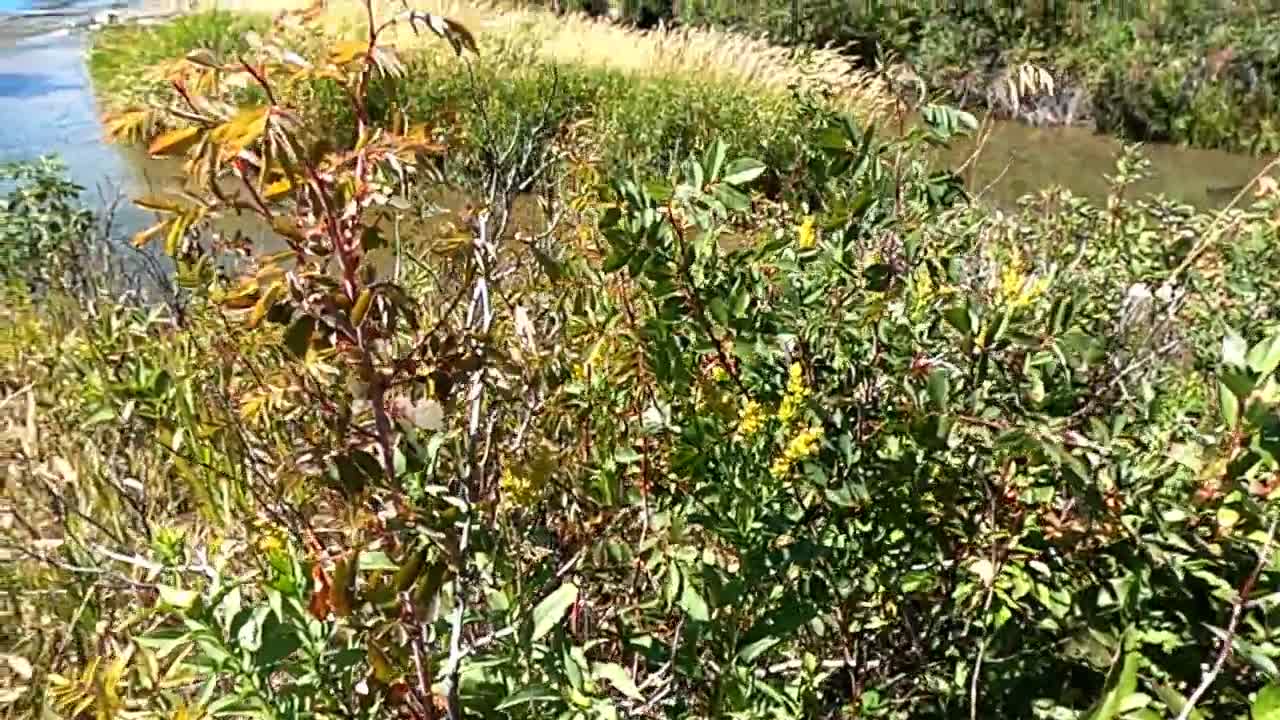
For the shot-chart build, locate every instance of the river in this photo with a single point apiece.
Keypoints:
(47, 106)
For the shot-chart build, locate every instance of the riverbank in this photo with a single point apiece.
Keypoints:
(1199, 73)
(642, 99)
(639, 101)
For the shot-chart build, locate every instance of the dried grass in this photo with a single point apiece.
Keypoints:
(711, 55)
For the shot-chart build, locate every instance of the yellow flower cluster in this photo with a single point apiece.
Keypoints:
(750, 419)
(517, 490)
(796, 394)
(808, 235)
(271, 539)
(803, 445)
(1017, 289)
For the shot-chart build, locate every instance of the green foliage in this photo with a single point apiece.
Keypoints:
(119, 51)
(731, 439)
(42, 225)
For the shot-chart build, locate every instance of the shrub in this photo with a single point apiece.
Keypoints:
(43, 229)
(687, 452)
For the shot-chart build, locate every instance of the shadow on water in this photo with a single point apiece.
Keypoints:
(30, 85)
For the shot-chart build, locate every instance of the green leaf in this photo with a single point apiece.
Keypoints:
(756, 649)
(715, 162)
(552, 609)
(730, 197)
(279, 641)
(939, 388)
(1267, 704)
(1233, 350)
(177, 597)
(618, 677)
(1175, 701)
(693, 604)
(617, 258)
(719, 310)
(1123, 684)
(743, 171)
(1230, 405)
(1264, 357)
(958, 318)
(531, 694)
(297, 337)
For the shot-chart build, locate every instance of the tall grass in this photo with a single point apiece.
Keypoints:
(576, 39)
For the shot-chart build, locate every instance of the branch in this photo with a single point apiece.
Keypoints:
(1237, 609)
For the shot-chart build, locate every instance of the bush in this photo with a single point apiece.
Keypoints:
(866, 450)
(44, 233)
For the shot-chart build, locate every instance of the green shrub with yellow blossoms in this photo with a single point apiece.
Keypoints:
(850, 446)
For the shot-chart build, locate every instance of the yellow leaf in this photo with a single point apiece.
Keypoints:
(241, 131)
(345, 52)
(174, 142)
(361, 307)
(144, 237)
(265, 303)
(252, 406)
(277, 189)
(286, 228)
(127, 126)
(160, 203)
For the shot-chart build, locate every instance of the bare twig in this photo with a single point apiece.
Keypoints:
(1228, 638)
(1216, 229)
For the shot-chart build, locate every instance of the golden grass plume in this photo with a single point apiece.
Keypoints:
(707, 54)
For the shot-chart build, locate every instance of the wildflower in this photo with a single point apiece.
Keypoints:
(787, 410)
(719, 374)
(750, 419)
(796, 393)
(270, 541)
(1018, 289)
(780, 467)
(808, 235)
(795, 381)
(804, 444)
(517, 490)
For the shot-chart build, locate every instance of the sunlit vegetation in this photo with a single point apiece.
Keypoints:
(1199, 73)
(754, 415)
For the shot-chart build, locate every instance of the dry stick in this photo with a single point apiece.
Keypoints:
(1237, 609)
(1215, 230)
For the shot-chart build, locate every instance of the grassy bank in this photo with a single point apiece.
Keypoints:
(1200, 73)
(641, 100)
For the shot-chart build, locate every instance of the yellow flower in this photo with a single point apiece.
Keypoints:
(270, 541)
(795, 380)
(719, 374)
(796, 393)
(780, 467)
(750, 419)
(804, 444)
(517, 490)
(808, 235)
(787, 410)
(1017, 288)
